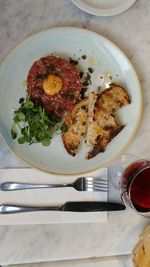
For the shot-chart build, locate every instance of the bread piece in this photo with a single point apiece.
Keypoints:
(145, 233)
(76, 121)
(141, 253)
(103, 129)
(112, 98)
(91, 104)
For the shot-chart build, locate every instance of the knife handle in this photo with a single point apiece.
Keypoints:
(9, 209)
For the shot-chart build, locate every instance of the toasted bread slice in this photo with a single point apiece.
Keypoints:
(103, 129)
(76, 121)
(92, 100)
(141, 253)
(112, 98)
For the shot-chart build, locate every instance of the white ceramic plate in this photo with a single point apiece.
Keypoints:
(104, 57)
(104, 7)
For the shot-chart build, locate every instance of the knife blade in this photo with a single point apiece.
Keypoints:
(67, 207)
(92, 206)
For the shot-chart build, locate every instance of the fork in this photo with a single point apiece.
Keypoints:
(81, 184)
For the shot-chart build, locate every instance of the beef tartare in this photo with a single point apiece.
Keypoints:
(54, 83)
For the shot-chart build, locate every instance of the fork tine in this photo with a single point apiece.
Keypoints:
(97, 187)
(99, 190)
(95, 179)
(100, 185)
(96, 182)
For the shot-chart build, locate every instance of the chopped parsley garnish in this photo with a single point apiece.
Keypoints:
(34, 124)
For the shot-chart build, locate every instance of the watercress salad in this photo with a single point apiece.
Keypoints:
(34, 124)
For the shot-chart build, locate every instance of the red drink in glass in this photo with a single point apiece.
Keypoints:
(135, 186)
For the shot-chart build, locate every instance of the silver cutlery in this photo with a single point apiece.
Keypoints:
(69, 207)
(81, 184)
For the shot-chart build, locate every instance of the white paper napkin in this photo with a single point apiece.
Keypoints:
(48, 197)
(121, 261)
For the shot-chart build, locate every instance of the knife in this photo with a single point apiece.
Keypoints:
(68, 206)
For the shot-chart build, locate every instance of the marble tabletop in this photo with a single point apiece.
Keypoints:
(130, 31)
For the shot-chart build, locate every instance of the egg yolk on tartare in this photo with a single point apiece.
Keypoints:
(52, 85)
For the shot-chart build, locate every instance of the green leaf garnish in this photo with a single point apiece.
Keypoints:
(46, 142)
(13, 134)
(28, 104)
(36, 126)
(21, 139)
(19, 116)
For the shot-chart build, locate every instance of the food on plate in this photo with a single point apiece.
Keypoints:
(113, 98)
(102, 126)
(141, 253)
(145, 233)
(91, 107)
(34, 124)
(99, 123)
(54, 83)
(103, 129)
(58, 102)
(76, 122)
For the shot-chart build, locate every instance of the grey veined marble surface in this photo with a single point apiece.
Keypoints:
(130, 31)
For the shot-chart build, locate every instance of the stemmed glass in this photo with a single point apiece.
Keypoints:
(117, 167)
(132, 176)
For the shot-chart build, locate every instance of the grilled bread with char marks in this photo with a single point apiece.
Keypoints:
(76, 122)
(97, 120)
(102, 130)
(141, 253)
(112, 98)
(104, 126)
